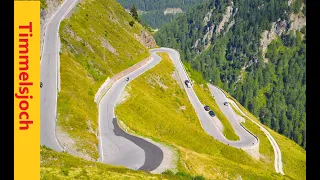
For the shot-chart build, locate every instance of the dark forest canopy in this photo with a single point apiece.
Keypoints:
(153, 10)
(273, 91)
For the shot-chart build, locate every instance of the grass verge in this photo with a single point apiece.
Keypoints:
(158, 107)
(97, 42)
(293, 156)
(265, 147)
(62, 166)
(202, 91)
(205, 98)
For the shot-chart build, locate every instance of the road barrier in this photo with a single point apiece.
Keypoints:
(238, 121)
(110, 81)
(183, 66)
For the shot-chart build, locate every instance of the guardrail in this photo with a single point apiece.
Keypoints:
(183, 66)
(250, 132)
(110, 81)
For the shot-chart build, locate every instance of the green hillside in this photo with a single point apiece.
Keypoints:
(223, 40)
(159, 108)
(152, 11)
(293, 156)
(97, 42)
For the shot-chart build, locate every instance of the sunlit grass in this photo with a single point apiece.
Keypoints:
(293, 155)
(95, 29)
(159, 108)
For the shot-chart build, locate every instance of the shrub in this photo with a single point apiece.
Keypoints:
(131, 23)
(198, 178)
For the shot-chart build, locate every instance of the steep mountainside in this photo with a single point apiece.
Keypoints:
(155, 105)
(253, 49)
(97, 43)
(156, 13)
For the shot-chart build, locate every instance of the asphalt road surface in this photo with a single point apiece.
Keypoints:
(227, 110)
(277, 152)
(116, 146)
(49, 77)
(246, 139)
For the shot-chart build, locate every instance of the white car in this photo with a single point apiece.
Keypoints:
(187, 82)
(225, 103)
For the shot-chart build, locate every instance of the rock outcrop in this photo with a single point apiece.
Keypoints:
(172, 11)
(146, 39)
(277, 29)
(298, 21)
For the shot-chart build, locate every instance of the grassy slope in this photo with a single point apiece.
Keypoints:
(86, 64)
(205, 97)
(56, 166)
(156, 112)
(293, 156)
(265, 149)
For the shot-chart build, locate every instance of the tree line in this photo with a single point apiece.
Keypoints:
(273, 91)
(153, 10)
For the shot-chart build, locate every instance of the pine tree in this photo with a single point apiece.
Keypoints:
(134, 13)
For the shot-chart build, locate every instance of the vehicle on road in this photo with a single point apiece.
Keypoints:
(207, 108)
(127, 78)
(225, 103)
(212, 113)
(187, 82)
(41, 84)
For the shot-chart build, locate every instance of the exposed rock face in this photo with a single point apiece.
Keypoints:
(277, 28)
(105, 43)
(146, 39)
(172, 11)
(207, 17)
(290, 2)
(196, 43)
(298, 21)
(229, 26)
(204, 42)
(225, 19)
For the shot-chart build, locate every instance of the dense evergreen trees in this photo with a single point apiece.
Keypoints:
(273, 91)
(134, 12)
(153, 10)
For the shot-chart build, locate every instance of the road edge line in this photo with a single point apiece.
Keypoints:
(271, 140)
